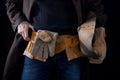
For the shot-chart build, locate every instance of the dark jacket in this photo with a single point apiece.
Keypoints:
(21, 10)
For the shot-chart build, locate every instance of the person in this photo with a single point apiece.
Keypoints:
(61, 16)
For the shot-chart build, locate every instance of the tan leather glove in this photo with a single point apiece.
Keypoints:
(92, 41)
(86, 32)
(99, 45)
(43, 45)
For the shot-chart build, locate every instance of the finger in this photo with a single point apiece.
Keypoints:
(23, 30)
(26, 36)
(31, 27)
(19, 29)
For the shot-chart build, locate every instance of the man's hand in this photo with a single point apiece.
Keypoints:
(23, 28)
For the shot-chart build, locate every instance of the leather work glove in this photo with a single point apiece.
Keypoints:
(86, 32)
(99, 45)
(44, 45)
(92, 43)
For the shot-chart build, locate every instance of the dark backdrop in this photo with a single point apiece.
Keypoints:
(110, 68)
(6, 36)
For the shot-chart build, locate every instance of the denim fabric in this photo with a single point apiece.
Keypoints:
(65, 70)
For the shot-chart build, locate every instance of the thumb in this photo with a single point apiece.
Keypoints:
(31, 27)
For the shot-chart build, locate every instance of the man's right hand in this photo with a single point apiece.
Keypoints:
(23, 28)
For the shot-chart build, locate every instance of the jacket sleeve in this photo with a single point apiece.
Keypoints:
(95, 8)
(14, 12)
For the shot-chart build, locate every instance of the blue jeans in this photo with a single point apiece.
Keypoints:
(65, 70)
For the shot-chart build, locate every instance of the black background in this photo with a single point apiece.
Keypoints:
(109, 69)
